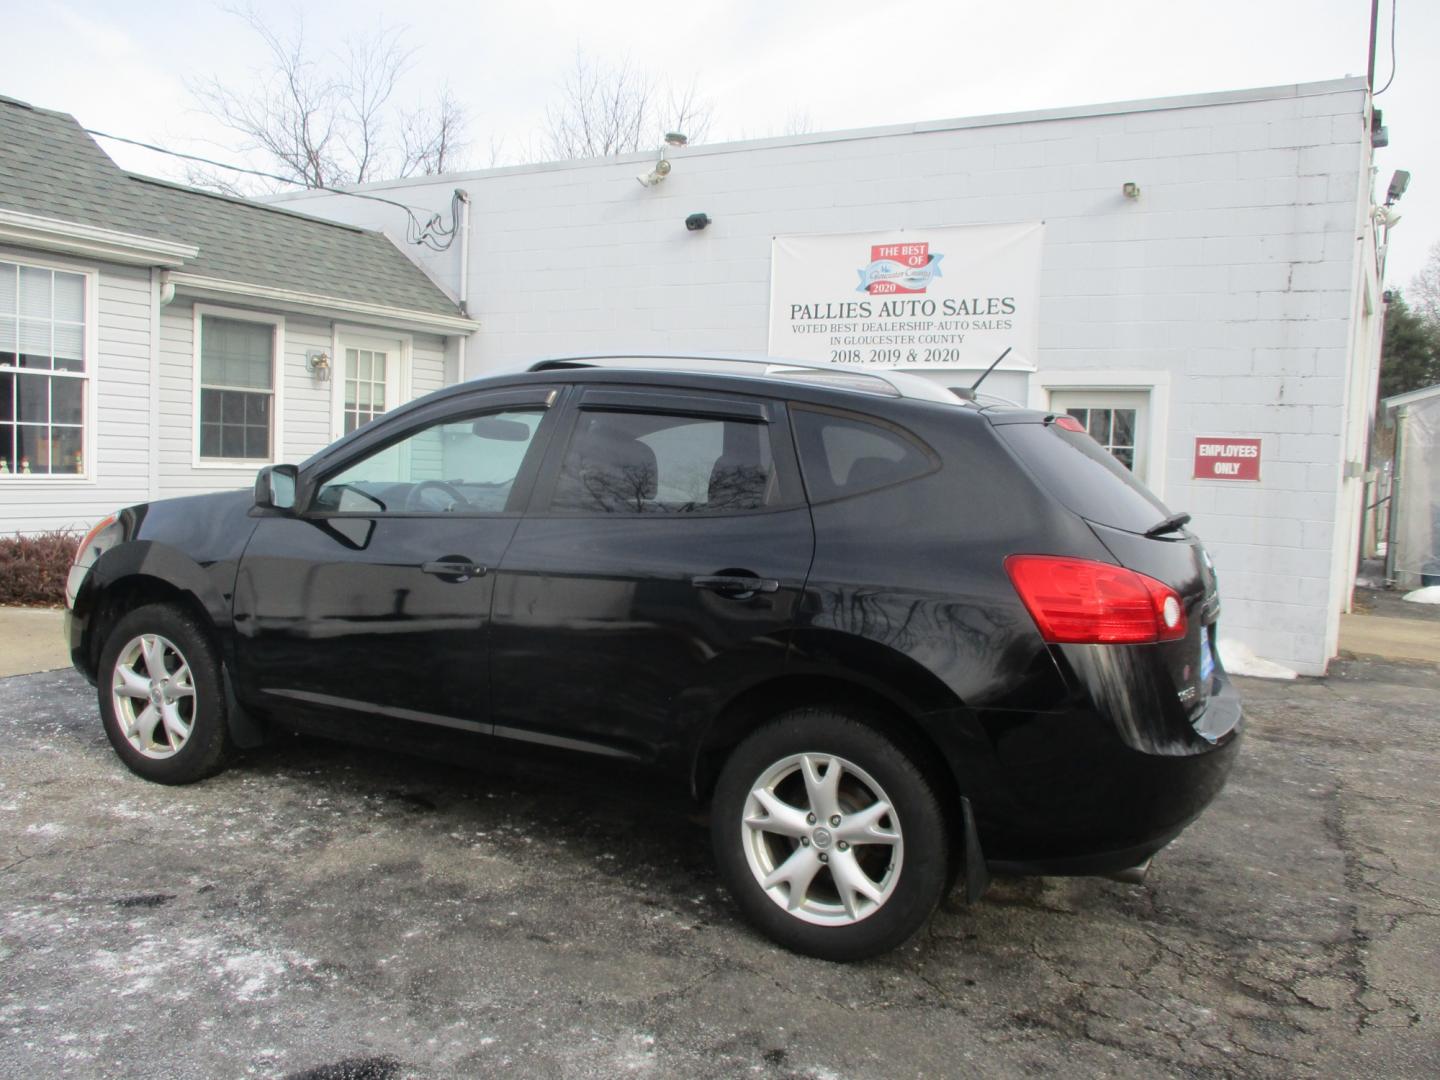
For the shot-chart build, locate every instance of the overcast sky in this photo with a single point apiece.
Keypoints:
(123, 66)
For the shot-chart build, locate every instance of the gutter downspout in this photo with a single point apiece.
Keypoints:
(464, 198)
(162, 291)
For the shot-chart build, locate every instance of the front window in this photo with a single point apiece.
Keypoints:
(464, 466)
(237, 389)
(43, 376)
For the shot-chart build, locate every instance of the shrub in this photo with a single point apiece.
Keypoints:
(33, 568)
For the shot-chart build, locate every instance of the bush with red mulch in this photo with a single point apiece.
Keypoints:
(33, 568)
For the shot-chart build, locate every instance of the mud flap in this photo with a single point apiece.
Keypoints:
(245, 731)
(977, 874)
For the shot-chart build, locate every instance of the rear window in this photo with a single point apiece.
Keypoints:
(1083, 475)
(656, 463)
(844, 455)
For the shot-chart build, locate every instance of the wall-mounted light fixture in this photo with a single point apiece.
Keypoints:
(1130, 189)
(655, 175)
(317, 362)
(696, 222)
(662, 167)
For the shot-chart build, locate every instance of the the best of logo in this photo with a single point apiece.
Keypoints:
(899, 268)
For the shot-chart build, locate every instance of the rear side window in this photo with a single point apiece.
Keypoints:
(842, 454)
(1084, 476)
(654, 463)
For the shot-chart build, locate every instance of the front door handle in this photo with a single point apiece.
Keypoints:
(735, 586)
(453, 568)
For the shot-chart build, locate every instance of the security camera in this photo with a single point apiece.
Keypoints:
(696, 222)
(1398, 183)
(655, 175)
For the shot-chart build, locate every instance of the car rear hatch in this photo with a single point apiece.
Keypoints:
(1142, 535)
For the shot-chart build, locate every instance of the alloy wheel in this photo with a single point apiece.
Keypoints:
(822, 838)
(154, 696)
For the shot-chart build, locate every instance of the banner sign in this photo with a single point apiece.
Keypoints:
(1223, 458)
(954, 296)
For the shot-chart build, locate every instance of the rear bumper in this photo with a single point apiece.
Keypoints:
(1089, 792)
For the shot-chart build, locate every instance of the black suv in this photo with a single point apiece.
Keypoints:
(892, 637)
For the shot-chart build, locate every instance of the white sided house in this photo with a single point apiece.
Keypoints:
(157, 341)
(1203, 292)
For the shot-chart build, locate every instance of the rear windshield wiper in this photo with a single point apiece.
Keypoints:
(1173, 523)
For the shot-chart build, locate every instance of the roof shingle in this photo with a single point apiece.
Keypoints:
(50, 167)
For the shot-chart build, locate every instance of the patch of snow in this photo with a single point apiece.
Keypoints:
(1240, 659)
(1430, 594)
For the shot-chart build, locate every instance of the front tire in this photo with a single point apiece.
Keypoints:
(161, 696)
(829, 837)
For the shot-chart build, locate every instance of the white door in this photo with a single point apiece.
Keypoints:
(371, 380)
(1118, 420)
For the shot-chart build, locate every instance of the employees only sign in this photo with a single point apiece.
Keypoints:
(955, 296)
(1223, 458)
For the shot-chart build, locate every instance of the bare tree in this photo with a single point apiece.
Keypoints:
(603, 110)
(1424, 291)
(798, 121)
(330, 118)
(433, 140)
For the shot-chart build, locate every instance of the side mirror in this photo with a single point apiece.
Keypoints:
(275, 487)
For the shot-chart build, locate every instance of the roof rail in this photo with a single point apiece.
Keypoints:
(596, 360)
(880, 381)
(772, 367)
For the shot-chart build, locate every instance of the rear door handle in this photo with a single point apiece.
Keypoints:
(735, 586)
(453, 569)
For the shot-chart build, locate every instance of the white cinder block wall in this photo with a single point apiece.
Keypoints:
(1235, 288)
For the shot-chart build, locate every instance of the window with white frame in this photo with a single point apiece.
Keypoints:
(237, 389)
(43, 371)
(1119, 420)
(1114, 429)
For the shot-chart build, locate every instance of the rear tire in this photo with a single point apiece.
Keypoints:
(840, 865)
(161, 696)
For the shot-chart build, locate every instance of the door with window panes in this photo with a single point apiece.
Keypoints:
(371, 380)
(1117, 419)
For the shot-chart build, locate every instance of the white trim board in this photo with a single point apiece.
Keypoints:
(52, 234)
(323, 306)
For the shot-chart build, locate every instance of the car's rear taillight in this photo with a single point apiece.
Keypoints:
(1076, 601)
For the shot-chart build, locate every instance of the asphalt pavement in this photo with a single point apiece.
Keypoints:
(335, 913)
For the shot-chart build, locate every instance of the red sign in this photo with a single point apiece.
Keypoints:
(1222, 458)
(907, 254)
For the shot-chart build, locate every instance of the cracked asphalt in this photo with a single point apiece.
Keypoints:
(331, 913)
